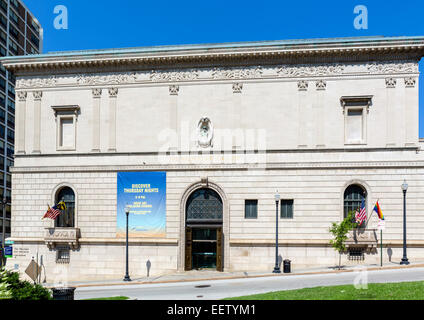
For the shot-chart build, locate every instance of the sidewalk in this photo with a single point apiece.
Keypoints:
(205, 275)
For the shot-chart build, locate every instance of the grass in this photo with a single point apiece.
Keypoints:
(380, 291)
(110, 298)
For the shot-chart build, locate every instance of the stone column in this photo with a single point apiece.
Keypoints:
(319, 111)
(37, 120)
(390, 111)
(174, 125)
(20, 121)
(410, 111)
(97, 93)
(235, 132)
(302, 113)
(113, 94)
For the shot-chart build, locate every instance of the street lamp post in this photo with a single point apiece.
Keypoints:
(127, 276)
(404, 189)
(277, 267)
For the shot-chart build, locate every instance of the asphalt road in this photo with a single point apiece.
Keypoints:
(219, 289)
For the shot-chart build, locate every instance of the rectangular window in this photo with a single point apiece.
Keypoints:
(251, 209)
(2, 115)
(10, 106)
(8, 180)
(10, 136)
(10, 120)
(287, 209)
(10, 151)
(66, 132)
(66, 119)
(9, 163)
(354, 126)
(355, 110)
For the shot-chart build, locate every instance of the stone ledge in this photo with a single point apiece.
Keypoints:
(316, 243)
(103, 240)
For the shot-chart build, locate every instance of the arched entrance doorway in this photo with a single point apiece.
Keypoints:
(203, 225)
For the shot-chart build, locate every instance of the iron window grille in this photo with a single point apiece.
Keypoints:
(63, 255)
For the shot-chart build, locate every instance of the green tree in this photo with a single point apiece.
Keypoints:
(340, 231)
(5, 292)
(17, 289)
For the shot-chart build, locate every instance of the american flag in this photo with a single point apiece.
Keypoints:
(361, 215)
(55, 211)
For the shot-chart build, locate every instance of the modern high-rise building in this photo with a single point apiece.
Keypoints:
(20, 34)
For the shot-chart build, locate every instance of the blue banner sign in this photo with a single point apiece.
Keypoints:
(144, 194)
(8, 252)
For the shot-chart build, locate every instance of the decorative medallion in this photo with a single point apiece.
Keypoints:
(302, 85)
(22, 95)
(390, 83)
(204, 133)
(173, 90)
(237, 87)
(410, 82)
(321, 85)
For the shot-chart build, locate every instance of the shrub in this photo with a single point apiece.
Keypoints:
(23, 290)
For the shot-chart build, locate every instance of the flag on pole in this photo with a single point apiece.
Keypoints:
(361, 215)
(378, 210)
(55, 211)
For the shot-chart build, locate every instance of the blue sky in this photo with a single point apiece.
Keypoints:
(99, 24)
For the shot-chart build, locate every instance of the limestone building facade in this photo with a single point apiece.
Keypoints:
(324, 123)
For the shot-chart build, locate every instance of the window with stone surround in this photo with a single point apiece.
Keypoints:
(251, 209)
(286, 209)
(66, 132)
(67, 218)
(355, 109)
(353, 196)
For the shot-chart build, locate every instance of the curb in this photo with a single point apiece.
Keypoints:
(244, 277)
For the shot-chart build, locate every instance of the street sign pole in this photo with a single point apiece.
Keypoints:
(381, 246)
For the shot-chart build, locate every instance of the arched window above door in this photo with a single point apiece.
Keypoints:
(204, 205)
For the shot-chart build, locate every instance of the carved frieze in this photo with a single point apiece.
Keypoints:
(310, 70)
(221, 74)
(36, 82)
(392, 67)
(108, 79)
(172, 76)
(237, 73)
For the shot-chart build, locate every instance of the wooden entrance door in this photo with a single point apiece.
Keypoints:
(188, 249)
(219, 250)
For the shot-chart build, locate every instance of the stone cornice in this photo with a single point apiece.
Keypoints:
(336, 49)
(400, 68)
(196, 167)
